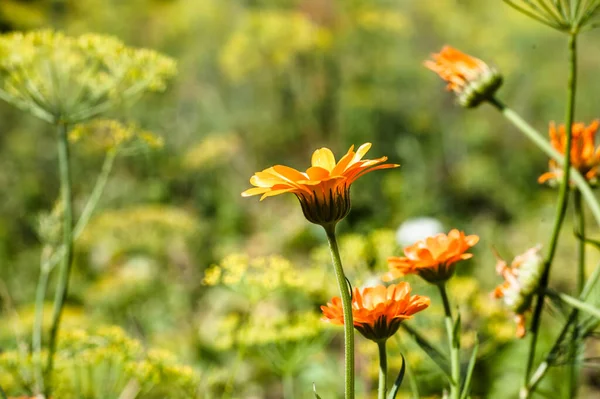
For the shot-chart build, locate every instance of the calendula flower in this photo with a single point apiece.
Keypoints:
(433, 258)
(585, 156)
(324, 189)
(471, 79)
(521, 280)
(378, 311)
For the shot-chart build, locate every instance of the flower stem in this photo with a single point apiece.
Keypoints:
(454, 354)
(382, 391)
(561, 208)
(48, 262)
(65, 269)
(540, 372)
(36, 339)
(545, 146)
(288, 385)
(576, 341)
(347, 309)
(580, 305)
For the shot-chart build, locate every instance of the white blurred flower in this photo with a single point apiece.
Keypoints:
(417, 229)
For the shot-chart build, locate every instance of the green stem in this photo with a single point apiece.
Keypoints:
(561, 208)
(89, 208)
(436, 355)
(545, 146)
(288, 386)
(454, 354)
(62, 288)
(576, 341)
(347, 309)
(36, 339)
(48, 263)
(579, 305)
(540, 372)
(382, 390)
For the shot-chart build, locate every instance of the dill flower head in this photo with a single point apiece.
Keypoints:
(585, 156)
(67, 79)
(433, 258)
(324, 189)
(521, 280)
(471, 79)
(109, 135)
(378, 311)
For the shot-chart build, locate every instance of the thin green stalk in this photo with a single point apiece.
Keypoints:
(62, 288)
(2, 393)
(563, 197)
(545, 146)
(382, 390)
(454, 354)
(576, 341)
(347, 309)
(540, 372)
(36, 339)
(89, 208)
(48, 263)
(288, 386)
(579, 305)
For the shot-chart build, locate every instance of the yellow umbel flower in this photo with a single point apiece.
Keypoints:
(67, 79)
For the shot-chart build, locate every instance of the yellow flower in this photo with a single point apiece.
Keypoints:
(324, 189)
(67, 79)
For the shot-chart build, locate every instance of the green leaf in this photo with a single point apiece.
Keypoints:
(398, 382)
(315, 391)
(438, 357)
(470, 369)
(456, 332)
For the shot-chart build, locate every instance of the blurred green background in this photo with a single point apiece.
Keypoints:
(263, 82)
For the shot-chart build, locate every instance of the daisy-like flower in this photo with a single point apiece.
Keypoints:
(471, 79)
(324, 189)
(378, 311)
(585, 156)
(521, 280)
(433, 258)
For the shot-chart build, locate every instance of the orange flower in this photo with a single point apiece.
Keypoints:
(324, 189)
(434, 257)
(585, 157)
(521, 280)
(470, 78)
(378, 311)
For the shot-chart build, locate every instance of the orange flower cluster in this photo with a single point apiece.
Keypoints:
(471, 79)
(378, 311)
(324, 189)
(585, 156)
(521, 280)
(433, 258)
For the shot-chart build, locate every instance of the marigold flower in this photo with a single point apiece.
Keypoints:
(522, 279)
(433, 258)
(324, 189)
(471, 79)
(378, 311)
(585, 157)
